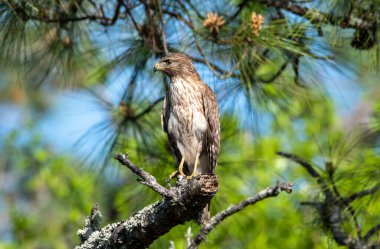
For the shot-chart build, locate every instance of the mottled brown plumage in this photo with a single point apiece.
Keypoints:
(190, 115)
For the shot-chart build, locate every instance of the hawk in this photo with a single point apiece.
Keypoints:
(190, 117)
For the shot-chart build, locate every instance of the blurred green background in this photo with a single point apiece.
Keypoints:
(76, 87)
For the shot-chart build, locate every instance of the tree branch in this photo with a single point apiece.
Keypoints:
(105, 21)
(371, 232)
(361, 194)
(163, 27)
(314, 16)
(218, 218)
(276, 74)
(91, 224)
(332, 208)
(325, 188)
(149, 108)
(146, 178)
(181, 203)
(212, 69)
(179, 17)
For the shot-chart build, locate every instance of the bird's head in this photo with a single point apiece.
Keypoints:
(176, 65)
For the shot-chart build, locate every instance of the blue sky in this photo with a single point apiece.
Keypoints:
(73, 112)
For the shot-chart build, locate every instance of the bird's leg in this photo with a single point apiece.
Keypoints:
(195, 167)
(178, 171)
(180, 167)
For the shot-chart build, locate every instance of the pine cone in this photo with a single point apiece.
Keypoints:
(213, 22)
(256, 24)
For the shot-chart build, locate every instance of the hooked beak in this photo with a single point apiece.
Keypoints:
(157, 67)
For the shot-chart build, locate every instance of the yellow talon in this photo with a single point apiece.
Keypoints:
(178, 171)
(195, 168)
(172, 175)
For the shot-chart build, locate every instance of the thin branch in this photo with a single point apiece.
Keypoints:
(179, 17)
(147, 179)
(92, 224)
(200, 16)
(134, 22)
(361, 194)
(105, 21)
(275, 75)
(240, 8)
(213, 65)
(163, 26)
(350, 209)
(371, 232)
(300, 161)
(314, 16)
(331, 209)
(296, 66)
(212, 69)
(148, 109)
(115, 15)
(218, 218)
(326, 190)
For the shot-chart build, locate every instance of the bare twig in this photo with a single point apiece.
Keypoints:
(296, 66)
(276, 74)
(315, 16)
(163, 34)
(332, 208)
(149, 108)
(147, 179)
(200, 16)
(116, 14)
(213, 65)
(218, 218)
(325, 188)
(331, 211)
(371, 232)
(240, 8)
(363, 193)
(212, 69)
(103, 20)
(331, 172)
(300, 161)
(91, 224)
(179, 17)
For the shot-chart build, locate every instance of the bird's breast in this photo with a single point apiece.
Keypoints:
(187, 117)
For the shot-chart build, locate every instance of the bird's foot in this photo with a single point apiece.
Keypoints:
(190, 176)
(194, 169)
(172, 175)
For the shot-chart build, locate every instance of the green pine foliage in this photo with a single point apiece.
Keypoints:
(276, 91)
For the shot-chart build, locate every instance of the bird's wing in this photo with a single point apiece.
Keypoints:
(165, 114)
(211, 111)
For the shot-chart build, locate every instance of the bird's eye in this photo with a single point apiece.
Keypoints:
(168, 62)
